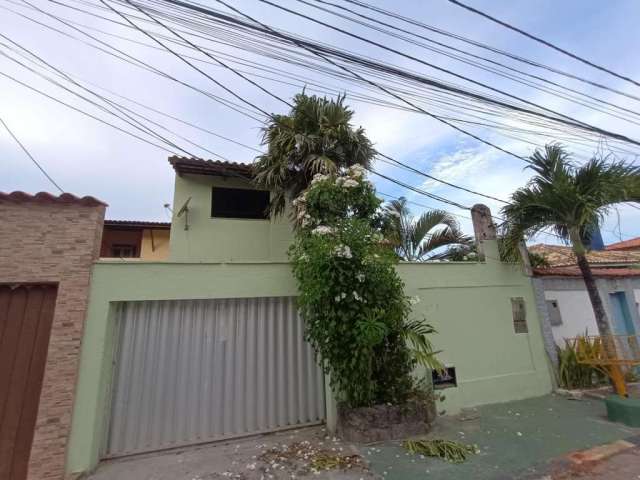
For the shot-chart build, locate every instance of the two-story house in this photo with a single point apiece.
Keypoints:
(207, 344)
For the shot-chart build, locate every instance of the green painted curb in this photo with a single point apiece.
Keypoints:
(623, 410)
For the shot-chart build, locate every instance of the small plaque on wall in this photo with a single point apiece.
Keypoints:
(445, 378)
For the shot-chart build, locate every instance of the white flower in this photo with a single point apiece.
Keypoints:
(319, 177)
(343, 251)
(337, 298)
(360, 277)
(414, 300)
(348, 183)
(322, 230)
(473, 255)
(356, 171)
(343, 295)
(356, 296)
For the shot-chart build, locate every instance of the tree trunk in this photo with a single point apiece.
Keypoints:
(594, 295)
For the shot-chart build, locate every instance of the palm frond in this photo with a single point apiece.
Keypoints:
(417, 332)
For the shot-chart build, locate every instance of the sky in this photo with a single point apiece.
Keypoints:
(86, 157)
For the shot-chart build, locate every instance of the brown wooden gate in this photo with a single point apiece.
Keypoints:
(26, 314)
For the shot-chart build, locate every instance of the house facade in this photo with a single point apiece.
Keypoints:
(563, 298)
(135, 239)
(207, 345)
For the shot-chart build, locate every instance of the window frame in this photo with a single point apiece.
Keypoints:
(519, 306)
(134, 250)
(265, 216)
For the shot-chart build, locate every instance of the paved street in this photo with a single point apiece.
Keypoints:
(521, 439)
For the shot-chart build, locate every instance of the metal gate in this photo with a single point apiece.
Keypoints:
(192, 371)
(26, 315)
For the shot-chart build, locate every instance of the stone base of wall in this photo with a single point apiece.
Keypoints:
(384, 422)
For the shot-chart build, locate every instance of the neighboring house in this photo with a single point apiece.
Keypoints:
(207, 344)
(48, 244)
(135, 239)
(632, 244)
(564, 299)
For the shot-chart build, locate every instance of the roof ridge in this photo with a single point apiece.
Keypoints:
(46, 197)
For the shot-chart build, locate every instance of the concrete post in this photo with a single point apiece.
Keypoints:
(484, 230)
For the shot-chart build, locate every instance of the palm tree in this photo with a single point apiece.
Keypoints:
(416, 240)
(315, 137)
(571, 200)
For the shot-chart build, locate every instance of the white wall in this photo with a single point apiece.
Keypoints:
(576, 312)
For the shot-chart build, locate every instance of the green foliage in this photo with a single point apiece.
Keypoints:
(351, 297)
(315, 137)
(418, 239)
(566, 198)
(449, 450)
(573, 375)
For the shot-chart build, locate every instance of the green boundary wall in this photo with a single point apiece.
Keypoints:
(469, 303)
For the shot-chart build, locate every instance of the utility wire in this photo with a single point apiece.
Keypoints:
(471, 55)
(24, 149)
(135, 61)
(316, 48)
(196, 47)
(228, 90)
(544, 42)
(484, 46)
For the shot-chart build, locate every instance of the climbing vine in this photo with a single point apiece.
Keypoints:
(351, 297)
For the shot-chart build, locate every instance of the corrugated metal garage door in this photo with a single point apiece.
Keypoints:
(192, 371)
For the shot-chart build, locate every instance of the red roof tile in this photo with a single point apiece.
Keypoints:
(561, 256)
(45, 197)
(597, 272)
(210, 167)
(632, 244)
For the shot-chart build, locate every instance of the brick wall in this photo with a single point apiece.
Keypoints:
(46, 238)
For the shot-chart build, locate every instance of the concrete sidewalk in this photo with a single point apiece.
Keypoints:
(516, 440)
(278, 456)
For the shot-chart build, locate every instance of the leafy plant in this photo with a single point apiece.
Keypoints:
(449, 450)
(418, 239)
(315, 137)
(571, 373)
(417, 333)
(351, 296)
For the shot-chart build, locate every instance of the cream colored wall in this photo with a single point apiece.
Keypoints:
(156, 248)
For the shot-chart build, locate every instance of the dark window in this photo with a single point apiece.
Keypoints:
(239, 203)
(519, 315)
(123, 251)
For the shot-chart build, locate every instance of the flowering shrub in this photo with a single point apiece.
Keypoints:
(351, 297)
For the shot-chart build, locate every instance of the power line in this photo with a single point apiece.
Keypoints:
(316, 48)
(193, 45)
(134, 61)
(544, 42)
(306, 64)
(468, 41)
(24, 149)
(570, 120)
(460, 54)
(228, 90)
